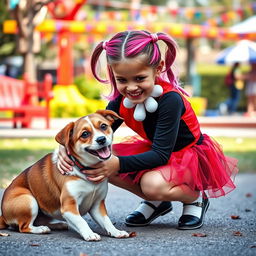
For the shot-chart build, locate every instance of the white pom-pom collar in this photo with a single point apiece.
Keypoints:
(150, 104)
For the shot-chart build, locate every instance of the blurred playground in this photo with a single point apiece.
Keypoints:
(61, 34)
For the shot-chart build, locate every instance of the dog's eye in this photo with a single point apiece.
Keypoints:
(103, 127)
(85, 134)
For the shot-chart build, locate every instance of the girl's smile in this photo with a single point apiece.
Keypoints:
(134, 79)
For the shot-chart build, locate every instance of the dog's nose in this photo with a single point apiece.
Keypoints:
(101, 140)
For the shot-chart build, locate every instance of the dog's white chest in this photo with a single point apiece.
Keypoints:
(86, 193)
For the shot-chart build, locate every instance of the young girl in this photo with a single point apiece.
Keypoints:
(171, 160)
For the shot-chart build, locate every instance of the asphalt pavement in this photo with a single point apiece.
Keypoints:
(229, 229)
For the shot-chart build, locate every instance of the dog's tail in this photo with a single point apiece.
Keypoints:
(3, 225)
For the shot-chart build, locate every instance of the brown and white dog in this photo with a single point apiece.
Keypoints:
(41, 192)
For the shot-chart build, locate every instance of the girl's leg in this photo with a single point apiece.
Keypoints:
(147, 210)
(154, 186)
(134, 188)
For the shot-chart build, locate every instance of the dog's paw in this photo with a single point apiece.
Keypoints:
(92, 237)
(119, 234)
(40, 230)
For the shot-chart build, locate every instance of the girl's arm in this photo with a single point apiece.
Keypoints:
(170, 110)
(165, 132)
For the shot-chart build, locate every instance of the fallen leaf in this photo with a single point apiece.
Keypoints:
(248, 195)
(199, 234)
(132, 234)
(237, 233)
(248, 210)
(235, 217)
(4, 234)
(83, 254)
(33, 244)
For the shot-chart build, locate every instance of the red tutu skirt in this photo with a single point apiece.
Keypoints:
(202, 167)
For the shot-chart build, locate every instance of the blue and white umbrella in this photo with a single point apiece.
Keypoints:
(244, 51)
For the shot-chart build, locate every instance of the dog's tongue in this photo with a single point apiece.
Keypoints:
(104, 152)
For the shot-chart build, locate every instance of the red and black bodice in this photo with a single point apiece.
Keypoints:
(173, 127)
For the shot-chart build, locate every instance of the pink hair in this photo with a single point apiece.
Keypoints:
(130, 44)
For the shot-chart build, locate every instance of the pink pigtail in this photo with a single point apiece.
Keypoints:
(170, 56)
(94, 60)
(156, 52)
(114, 92)
(112, 52)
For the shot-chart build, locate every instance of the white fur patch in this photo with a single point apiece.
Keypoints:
(34, 207)
(106, 224)
(77, 223)
(86, 193)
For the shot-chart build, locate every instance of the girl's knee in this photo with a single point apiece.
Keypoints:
(152, 193)
(153, 187)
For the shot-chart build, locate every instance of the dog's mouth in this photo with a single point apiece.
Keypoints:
(103, 153)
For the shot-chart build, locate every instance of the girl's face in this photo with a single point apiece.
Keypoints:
(134, 79)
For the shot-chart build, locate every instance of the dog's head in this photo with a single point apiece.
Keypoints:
(89, 138)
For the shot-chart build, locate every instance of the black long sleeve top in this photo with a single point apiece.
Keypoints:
(165, 128)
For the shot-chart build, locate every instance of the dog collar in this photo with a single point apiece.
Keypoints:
(79, 165)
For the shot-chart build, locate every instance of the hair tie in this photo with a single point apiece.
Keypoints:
(154, 37)
(104, 45)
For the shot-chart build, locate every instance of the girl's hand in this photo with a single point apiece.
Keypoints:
(64, 163)
(103, 170)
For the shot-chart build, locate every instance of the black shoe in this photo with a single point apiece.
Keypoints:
(137, 219)
(193, 222)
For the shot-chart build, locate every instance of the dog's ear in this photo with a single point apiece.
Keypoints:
(109, 115)
(64, 135)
